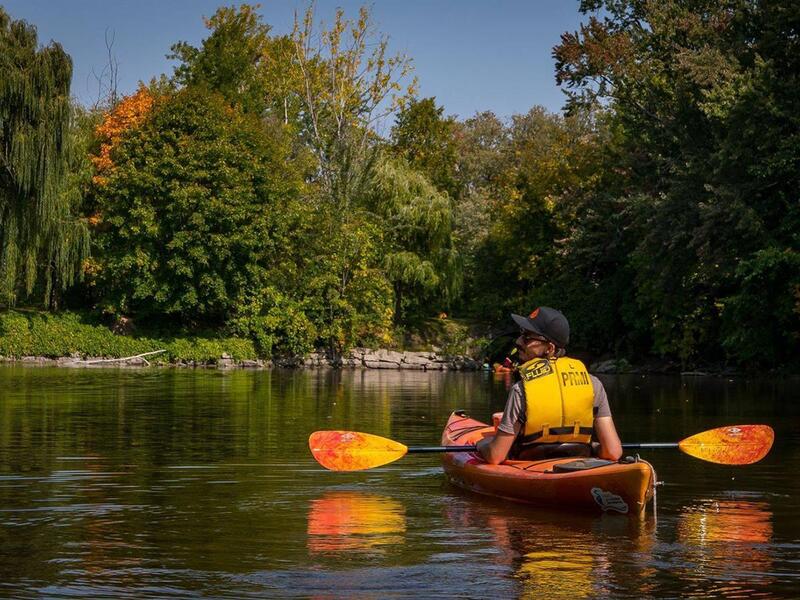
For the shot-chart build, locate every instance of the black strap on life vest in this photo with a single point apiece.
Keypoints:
(531, 439)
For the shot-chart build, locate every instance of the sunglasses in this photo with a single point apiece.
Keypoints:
(529, 338)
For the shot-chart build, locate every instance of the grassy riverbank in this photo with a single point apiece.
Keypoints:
(53, 335)
(33, 333)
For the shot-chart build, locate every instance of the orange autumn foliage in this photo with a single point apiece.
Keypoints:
(127, 114)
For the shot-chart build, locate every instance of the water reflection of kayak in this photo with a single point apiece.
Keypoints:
(574, 483)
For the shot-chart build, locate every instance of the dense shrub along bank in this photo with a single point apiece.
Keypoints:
(53, 335)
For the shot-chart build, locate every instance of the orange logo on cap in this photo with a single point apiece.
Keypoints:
(534, 314)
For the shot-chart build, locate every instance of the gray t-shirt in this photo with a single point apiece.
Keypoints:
(515, 410)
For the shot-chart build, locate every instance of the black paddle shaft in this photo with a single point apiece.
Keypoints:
(429, 449)
(432, 449)
(652, 445)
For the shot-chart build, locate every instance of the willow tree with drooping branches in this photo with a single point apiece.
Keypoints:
(41, 244)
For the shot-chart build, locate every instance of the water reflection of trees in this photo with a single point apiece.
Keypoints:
(206, 470)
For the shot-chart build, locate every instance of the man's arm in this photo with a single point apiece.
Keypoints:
(610, 446)
(495, 449)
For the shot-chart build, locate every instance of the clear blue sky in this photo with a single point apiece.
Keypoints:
(473, 55)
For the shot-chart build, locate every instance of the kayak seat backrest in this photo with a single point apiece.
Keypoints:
(581, 465)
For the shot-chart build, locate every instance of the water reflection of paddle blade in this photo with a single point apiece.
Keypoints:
(727, 546)
(727, 521)
(353, 521)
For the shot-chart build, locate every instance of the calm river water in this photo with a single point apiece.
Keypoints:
(179, 483)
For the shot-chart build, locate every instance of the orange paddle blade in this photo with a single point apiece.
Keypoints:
(730, 445)
(353, 450)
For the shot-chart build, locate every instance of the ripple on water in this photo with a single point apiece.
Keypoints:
(123, 483)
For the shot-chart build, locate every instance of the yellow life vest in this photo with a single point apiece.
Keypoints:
(559, 401)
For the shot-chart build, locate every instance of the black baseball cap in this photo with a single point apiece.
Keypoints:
(547, 322)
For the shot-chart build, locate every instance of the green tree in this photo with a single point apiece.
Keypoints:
(420, 258)
(703, 94)
(543, 156)
(41, 240)
(230, 60)
(481, 143)
(343, 288)
(200, 210)
(594, 269)
(349, 84)
(757, 177)
(426, 139)
(326, 91)
(243, 62)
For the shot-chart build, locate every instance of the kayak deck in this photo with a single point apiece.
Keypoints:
(612, 487)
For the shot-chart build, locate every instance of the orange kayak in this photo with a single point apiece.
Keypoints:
(575, 483)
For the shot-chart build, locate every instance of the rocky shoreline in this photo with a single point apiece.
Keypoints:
(364, 358)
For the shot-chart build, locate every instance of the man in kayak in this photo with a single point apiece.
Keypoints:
(557, 408)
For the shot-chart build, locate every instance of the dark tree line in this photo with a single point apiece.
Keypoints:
(250, 193)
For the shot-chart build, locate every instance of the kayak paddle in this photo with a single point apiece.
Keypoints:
(355, 451)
